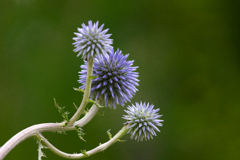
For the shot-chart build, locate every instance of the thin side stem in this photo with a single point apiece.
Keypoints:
(86, 93)
(98, 149)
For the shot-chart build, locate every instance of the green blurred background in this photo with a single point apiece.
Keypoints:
(188, 53)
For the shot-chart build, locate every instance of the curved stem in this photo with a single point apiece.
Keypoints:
(100, 148)
(86, 93)
(38, 128)
(88, 117)
(28, 132)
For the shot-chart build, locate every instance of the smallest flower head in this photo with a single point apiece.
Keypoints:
(143, 120)
(92, 41)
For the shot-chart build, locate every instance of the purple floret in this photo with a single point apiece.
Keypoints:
(143, 120)
(116, 79)
(92, 41)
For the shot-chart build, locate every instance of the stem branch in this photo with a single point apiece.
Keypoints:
(38, 128)
(86, 93)
(98, 149)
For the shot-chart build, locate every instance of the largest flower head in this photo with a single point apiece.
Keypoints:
(92, 41)
(116, 80)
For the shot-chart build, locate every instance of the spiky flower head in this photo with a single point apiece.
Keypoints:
(116, 80)
(143, 121)
(92, 41)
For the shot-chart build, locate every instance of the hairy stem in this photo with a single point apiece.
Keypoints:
(98, 149)
(26, 133)
(86, 93)
(38, 128)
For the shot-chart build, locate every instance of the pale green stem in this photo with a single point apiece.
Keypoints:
(86, 93)
(38, 128)
(88, 117)
(98, 149)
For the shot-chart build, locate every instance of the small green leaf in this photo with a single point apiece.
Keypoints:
(84, 152)
(80, 133)
(119, 140)
(109, 134)
(85, 111)
(62, 112)
(92, 77)
(99, 106)
(79, 89)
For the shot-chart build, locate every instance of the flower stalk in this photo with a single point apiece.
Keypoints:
(86, 93)
(98, 149)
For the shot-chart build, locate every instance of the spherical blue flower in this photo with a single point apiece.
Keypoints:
(92, 41)
(143, 120)
(116, 80)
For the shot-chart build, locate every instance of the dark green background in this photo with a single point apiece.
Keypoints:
(188, 53)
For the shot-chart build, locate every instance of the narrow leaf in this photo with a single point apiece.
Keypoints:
(79, 89)
(92, 77)
(99, 106)
(109, 134)
(84, 153)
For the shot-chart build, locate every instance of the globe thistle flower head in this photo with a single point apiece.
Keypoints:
(143, 121)
(116, 79)
(92, 41)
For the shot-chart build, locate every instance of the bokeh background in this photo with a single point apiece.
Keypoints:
(188, 53)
